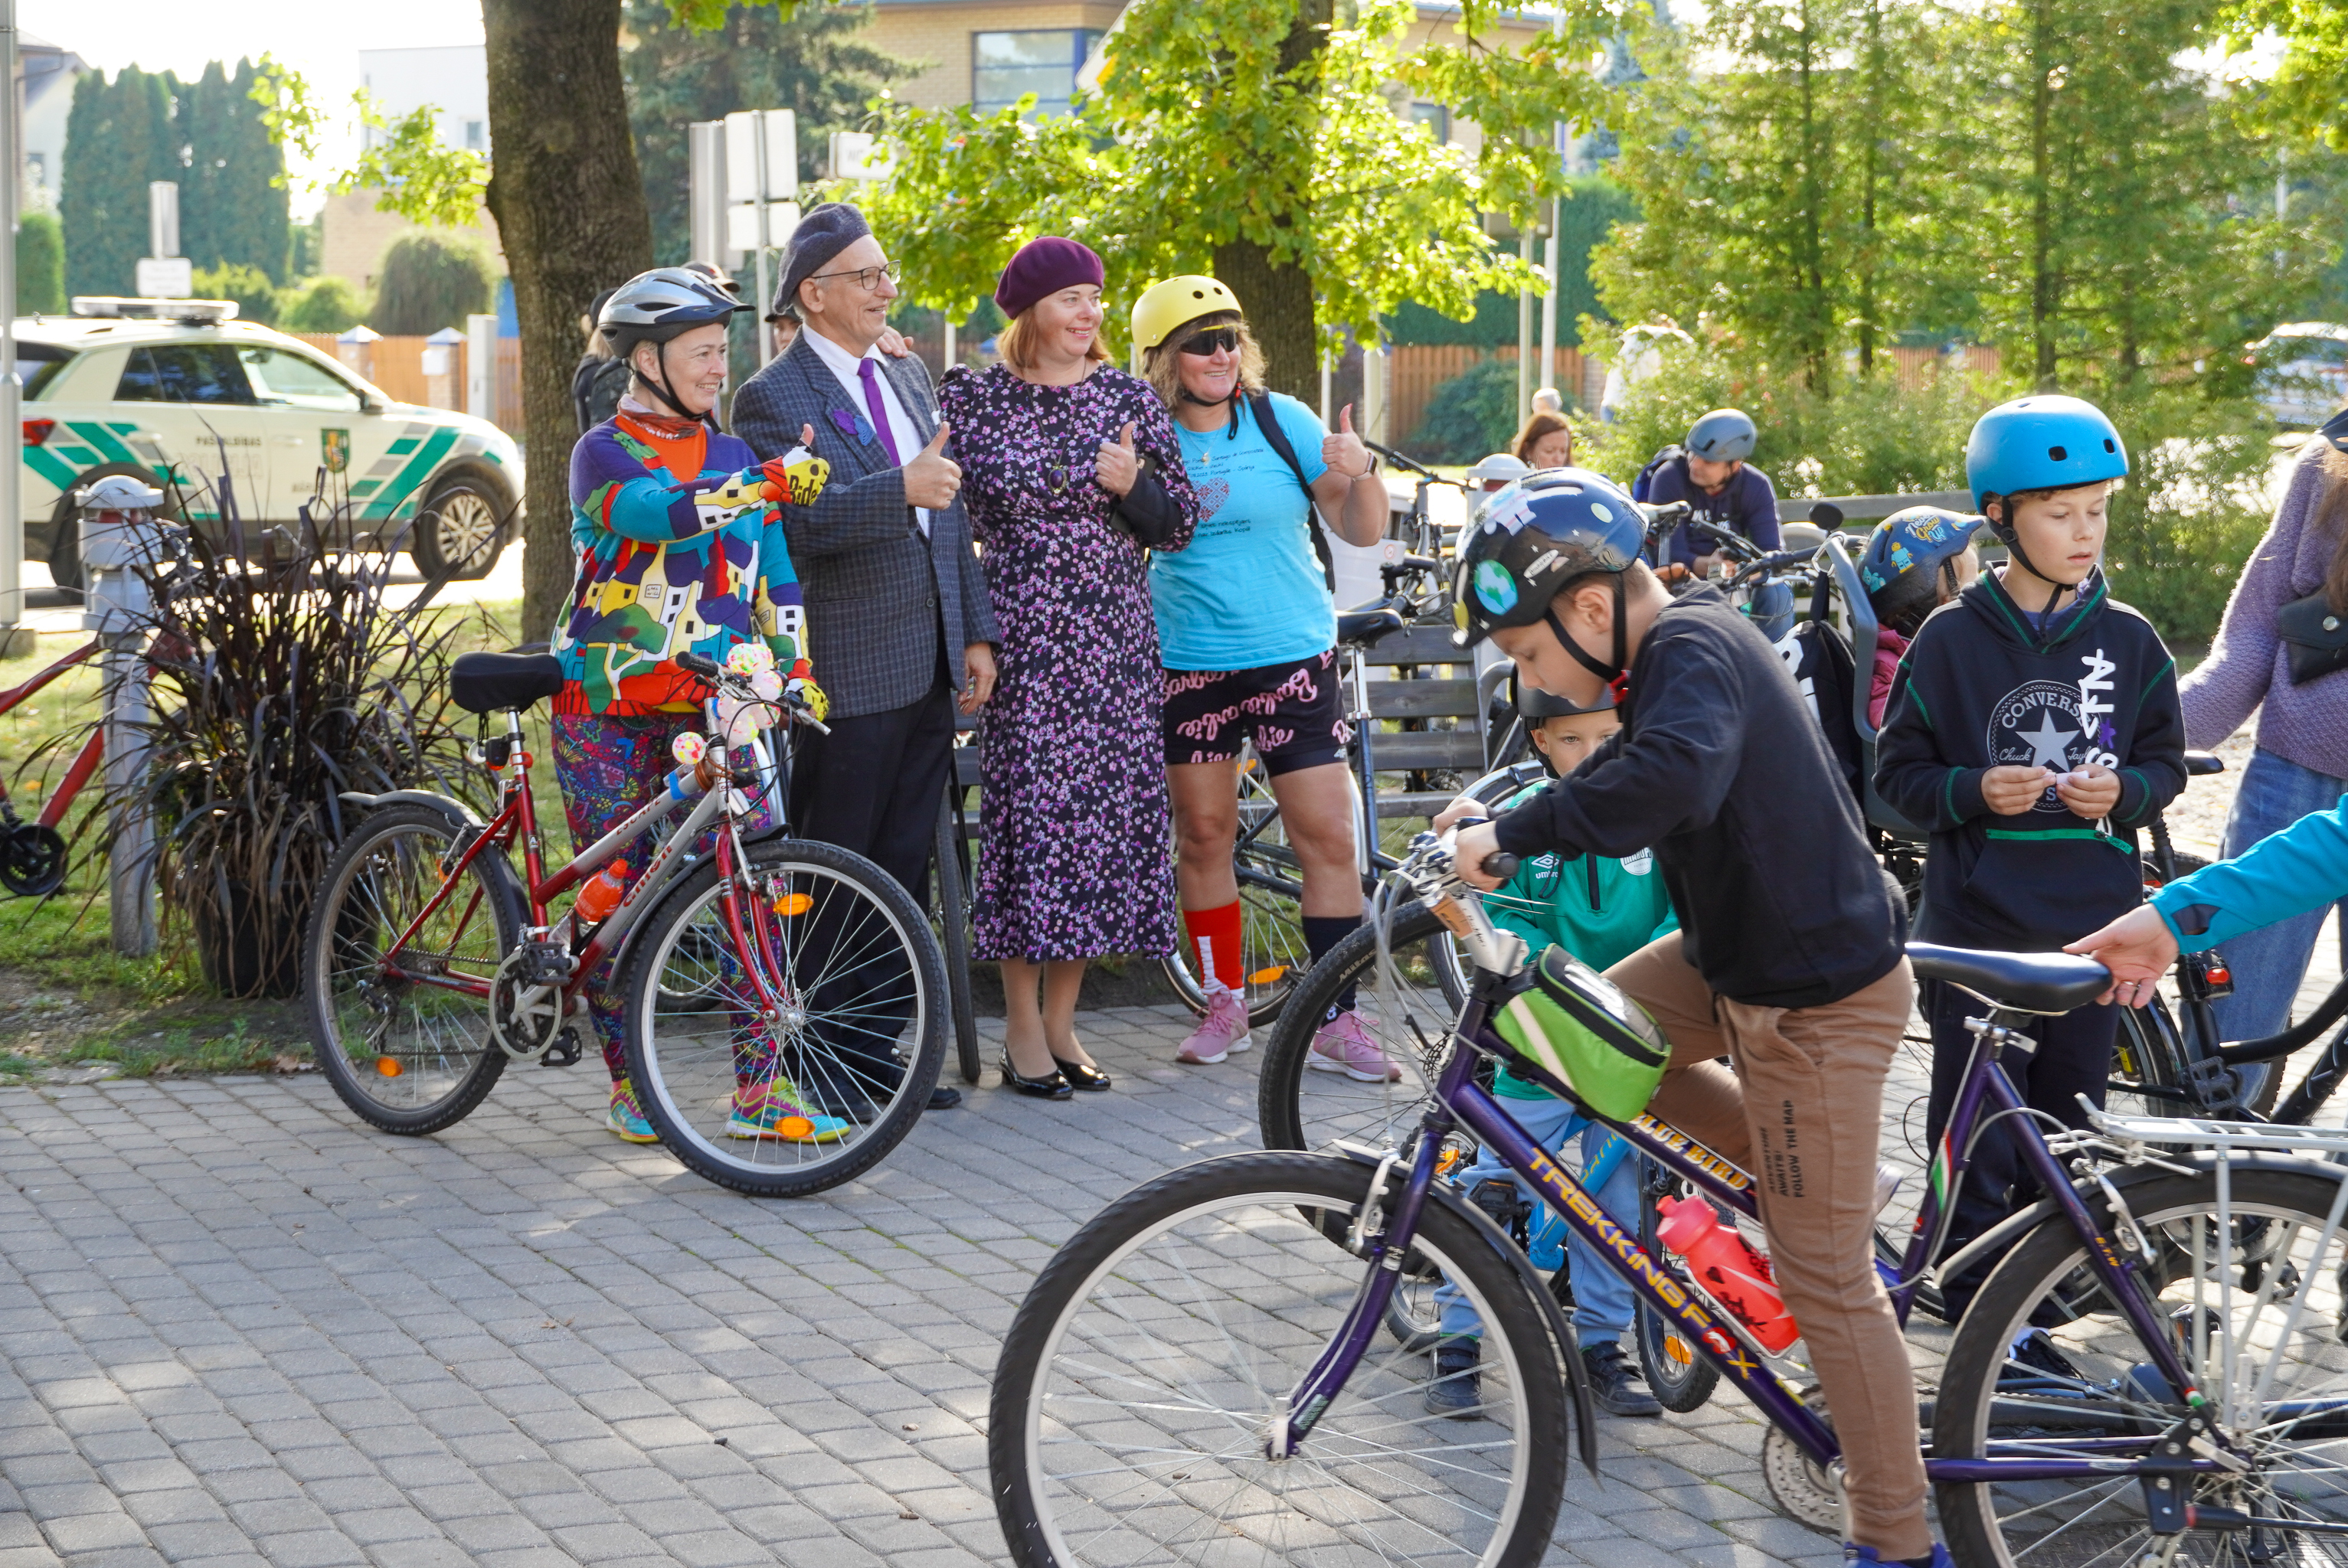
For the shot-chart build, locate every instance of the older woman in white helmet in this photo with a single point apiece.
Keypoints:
(1247, 631)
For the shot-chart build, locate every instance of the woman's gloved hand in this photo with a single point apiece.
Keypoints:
(797, 478)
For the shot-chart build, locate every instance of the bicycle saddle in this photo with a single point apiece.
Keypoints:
(2033, 982)
(479, 682)
(1367, 626)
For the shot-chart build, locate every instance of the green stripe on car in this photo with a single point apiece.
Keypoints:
(418, 469)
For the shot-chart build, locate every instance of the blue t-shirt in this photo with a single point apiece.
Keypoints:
(1249, 590)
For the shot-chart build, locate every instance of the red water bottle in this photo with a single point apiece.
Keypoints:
(602, 893)
(1726, 1265)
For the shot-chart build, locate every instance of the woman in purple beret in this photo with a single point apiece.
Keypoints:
(1071, 471)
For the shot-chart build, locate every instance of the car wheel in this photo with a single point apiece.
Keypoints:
(461, 529)
(64, 523)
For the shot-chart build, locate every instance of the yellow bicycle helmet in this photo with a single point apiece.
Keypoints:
(1163, 307)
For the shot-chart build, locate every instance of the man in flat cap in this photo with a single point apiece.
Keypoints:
(899, 626)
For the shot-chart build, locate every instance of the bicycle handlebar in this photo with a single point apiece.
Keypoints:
(2268, 1047)
(1409, 464)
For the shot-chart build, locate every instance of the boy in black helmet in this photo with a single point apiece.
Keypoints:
(1789, 956)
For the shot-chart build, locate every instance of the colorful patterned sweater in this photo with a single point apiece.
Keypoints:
(679, 551)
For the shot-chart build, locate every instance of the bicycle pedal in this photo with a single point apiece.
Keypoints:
(545, 963)
(565, 1052)
(2212, 1084)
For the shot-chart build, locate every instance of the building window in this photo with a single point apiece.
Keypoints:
(1434, 117)
(1006, 66)
(476, 140)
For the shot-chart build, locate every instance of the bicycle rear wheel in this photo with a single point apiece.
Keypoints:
(791, 1100)
(1680, 1379)
(404, 1047)
(2256, 1311)
(1142, 1371)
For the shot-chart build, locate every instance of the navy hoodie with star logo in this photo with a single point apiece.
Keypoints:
(1983, 686)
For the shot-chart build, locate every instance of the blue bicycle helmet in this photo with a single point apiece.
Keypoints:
(2043, 442)
(1531, 538)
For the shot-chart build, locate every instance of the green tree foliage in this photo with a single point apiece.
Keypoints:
(119, 136)
(1473, 414)
(308, 248)
(756, 57)
(255, 295)
(1260, 145)
(323, 305)
(232, 199)
(2309, 95)
(412, 172)
(40, 265)
(428, 282)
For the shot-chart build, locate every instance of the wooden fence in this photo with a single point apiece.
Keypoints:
(397, 365)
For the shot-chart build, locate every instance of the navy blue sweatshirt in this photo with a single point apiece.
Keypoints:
(1720, 769)
(1747, 505)
(1983, 687)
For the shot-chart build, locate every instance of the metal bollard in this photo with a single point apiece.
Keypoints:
(119, 535)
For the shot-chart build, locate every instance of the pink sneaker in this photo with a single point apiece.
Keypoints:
(1223, 1030)
(1344, 1046)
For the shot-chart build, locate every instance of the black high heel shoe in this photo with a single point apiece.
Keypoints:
(1054, 1086)
(1081, 1076)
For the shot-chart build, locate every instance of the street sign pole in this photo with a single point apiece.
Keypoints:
(761, 181)
(14, 639)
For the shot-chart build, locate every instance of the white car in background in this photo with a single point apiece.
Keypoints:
(170, 388)
(2302, 371)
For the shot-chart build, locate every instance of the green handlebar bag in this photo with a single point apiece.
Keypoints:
(1578, 1026)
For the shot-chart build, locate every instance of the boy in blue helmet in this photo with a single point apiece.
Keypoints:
(2034, 727)
(1601, 910)
(1789, 958)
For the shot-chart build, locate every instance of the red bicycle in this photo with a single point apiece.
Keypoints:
(785, 998)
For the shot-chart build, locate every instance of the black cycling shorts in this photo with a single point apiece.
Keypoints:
(1290, 711)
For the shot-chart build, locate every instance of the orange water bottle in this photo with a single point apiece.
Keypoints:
(1728, 1268)
(602, 893)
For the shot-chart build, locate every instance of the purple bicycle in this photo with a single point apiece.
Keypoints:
(2154, 1372)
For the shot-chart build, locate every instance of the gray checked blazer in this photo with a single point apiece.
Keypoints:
(875, 591)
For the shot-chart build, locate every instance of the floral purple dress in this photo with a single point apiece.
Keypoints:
(1075, 860)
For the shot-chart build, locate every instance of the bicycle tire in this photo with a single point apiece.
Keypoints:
(952, 895)
(1274, 1263)
(1981, 1390)
(1338, 1105)
(1680, 1379)
(679, 1088)
(404, 1049)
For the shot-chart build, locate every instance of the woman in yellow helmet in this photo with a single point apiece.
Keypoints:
(1247, 630)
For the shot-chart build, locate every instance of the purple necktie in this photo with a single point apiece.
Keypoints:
(869, 369)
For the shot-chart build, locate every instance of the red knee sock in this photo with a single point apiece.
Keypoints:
(1215, 936)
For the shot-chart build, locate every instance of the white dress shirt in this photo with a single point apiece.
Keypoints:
(902, 428)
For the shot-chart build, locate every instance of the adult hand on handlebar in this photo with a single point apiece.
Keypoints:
(2136, 948)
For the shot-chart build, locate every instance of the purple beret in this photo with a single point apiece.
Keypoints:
(1045, 266)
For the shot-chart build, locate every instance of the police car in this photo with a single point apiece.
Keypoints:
(181, 389)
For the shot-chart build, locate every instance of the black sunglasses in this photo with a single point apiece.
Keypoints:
(1211, 340)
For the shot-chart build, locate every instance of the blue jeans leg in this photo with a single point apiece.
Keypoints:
(2269, 964)
(1604, 1315)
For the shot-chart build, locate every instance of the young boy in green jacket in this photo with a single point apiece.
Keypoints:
(1600, 911)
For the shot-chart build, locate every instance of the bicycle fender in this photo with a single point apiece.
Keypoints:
(1585, 1407)
(2016, 1225)
(455, 810)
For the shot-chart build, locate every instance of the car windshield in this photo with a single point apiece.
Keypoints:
(183, 373)
(286, 379)
(37, 365)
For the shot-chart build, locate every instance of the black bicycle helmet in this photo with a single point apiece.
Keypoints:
(1532, 538)
(656, 306)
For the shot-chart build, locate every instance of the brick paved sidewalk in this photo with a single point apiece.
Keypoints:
(237, 1326)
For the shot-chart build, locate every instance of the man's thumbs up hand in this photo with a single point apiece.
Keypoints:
(1343, 452)
(1119, 465)
(932, 479)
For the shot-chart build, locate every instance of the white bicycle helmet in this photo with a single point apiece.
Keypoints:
(656, 306)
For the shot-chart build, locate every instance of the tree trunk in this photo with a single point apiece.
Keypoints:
(1872, 135)
(1279, 297)
(2045, 287)
(571, 215)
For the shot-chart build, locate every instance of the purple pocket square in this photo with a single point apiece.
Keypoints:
(854, 424)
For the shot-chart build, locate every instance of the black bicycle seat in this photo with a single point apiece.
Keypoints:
(481, 682)
(2034, 982)
(1365, 627)
(2201, 765)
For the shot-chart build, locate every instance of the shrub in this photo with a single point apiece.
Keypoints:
(255, 295)
(1472, 413)
(430, 281)
(40, 265)
(322, 305)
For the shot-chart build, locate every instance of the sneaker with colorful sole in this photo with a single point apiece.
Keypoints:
(626, 1118)
(762, 1113)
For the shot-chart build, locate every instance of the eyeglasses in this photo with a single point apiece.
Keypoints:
(1213, 341)
(867, 278)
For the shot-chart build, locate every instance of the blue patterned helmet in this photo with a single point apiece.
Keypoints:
(1531, 538)
(1917, 539)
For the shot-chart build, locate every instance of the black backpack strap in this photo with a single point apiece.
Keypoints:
(1259, 404)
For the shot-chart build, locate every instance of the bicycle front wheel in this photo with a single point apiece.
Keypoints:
(401, 1030)
(2044, 1364)
(799, 1063)
(950, 891)
(1143, 1371)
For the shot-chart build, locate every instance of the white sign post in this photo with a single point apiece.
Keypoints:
(481, 367)
(762, 186)
(15, 638)
(164, 273)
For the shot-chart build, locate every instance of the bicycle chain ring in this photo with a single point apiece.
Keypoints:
(526, 1012)
(1804, 1488)
(32, 859)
